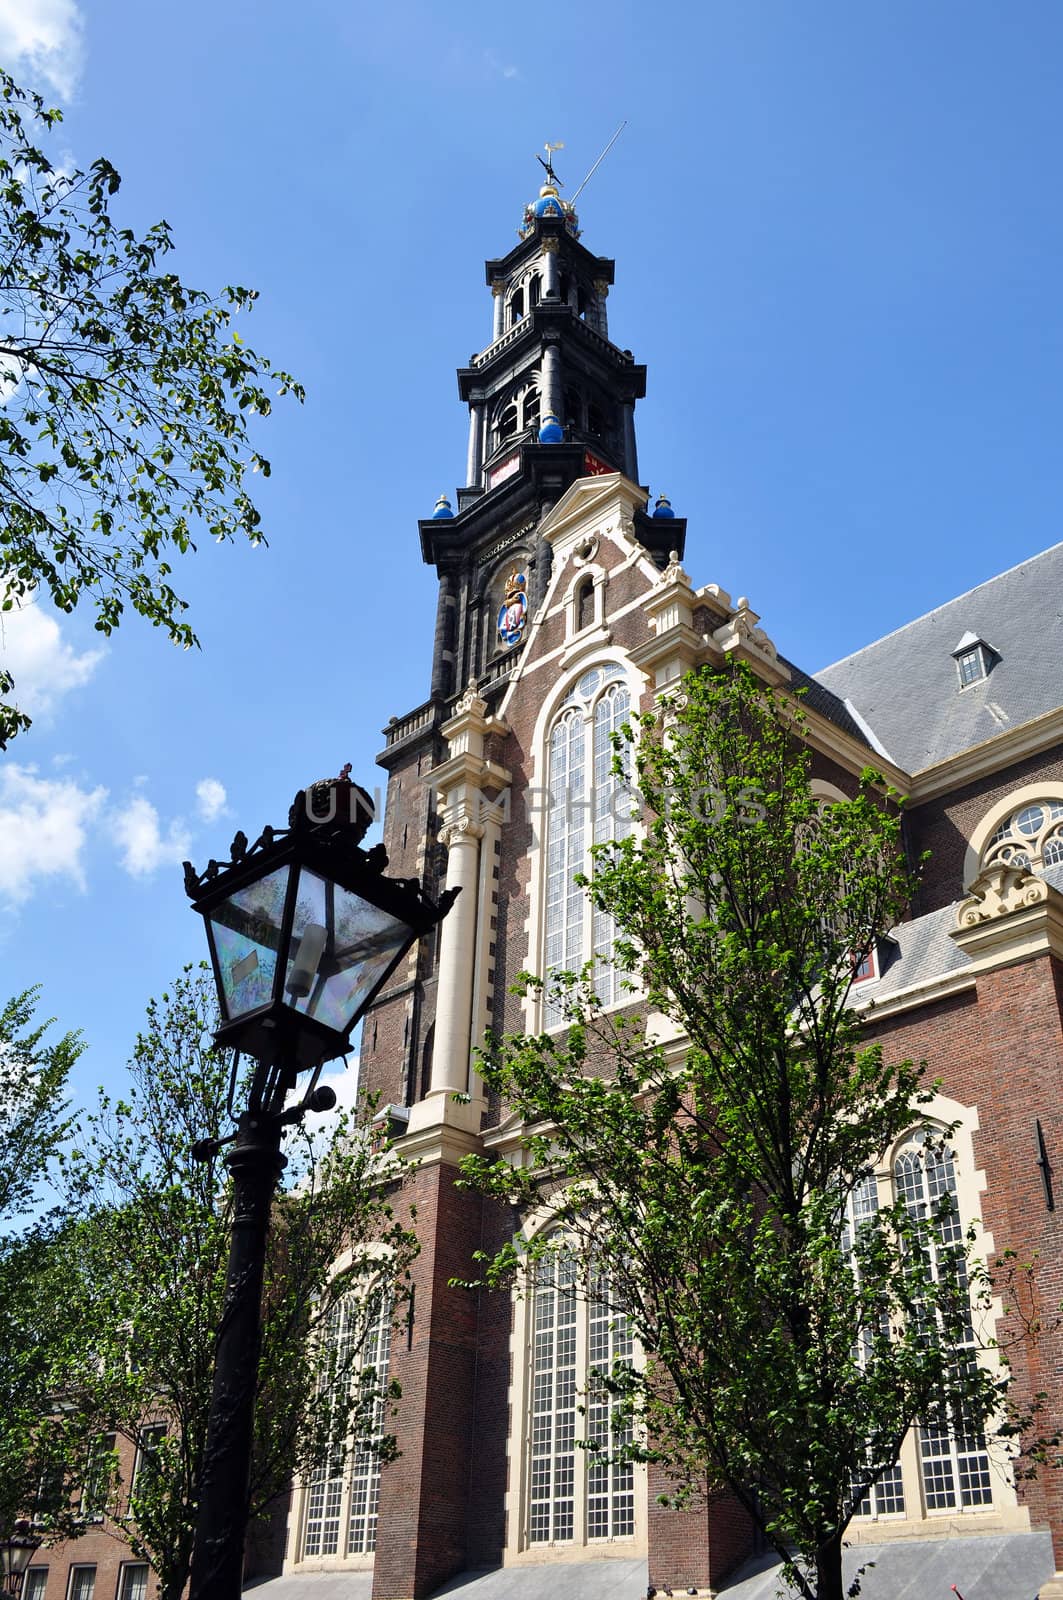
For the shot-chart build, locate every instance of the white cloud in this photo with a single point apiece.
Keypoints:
(42, 664)
(140, 837)
(210, 799)
(43, 829)
(42, 40)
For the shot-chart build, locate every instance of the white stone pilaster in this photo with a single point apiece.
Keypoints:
(468, 818)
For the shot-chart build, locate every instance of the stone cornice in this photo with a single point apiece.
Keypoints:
(469, 769)
(830, 740)
(1002, 750)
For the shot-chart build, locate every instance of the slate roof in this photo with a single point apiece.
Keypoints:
(922, 949)
(906, 688)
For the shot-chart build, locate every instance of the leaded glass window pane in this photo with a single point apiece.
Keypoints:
(952, 1449)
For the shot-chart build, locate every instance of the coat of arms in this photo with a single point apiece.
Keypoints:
(513, 612)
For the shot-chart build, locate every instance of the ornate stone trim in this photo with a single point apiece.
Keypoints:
(997, 891)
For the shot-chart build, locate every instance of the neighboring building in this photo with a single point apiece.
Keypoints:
(99, 1565)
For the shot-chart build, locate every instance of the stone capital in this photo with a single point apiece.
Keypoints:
(463, 830)
(550, 245)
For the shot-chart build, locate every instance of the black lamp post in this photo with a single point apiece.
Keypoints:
(304, 931)
(16, 1553)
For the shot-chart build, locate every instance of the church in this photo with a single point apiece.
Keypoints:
(564, 605)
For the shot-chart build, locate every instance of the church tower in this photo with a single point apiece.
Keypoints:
(551, 402)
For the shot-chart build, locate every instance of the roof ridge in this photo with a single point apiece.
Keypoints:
(963, 595)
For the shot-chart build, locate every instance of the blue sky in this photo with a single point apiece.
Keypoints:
(838, 239)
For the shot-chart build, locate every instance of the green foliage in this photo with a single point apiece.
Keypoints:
(34, 1442)
(143, 1266)
(33, 1106)
(787, 1353)
(125, 396)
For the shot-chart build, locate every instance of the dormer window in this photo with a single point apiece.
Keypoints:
(974, 658)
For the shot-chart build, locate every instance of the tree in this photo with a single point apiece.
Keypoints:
(718, 1195)
(34, 1121)
(144, 1276)
(126, 395)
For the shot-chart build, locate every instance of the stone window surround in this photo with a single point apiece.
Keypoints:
(1026, 794)
(533, 1004)
(519, 1550)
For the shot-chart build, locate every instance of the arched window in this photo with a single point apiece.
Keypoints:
(516, 307)
(583, 787)
(534, 290)
(1031, 836)
(531, 408)
(342, 1497)
(508, 421)
(584, 604)
(953, 1459)
(573, 1495)
(944, 1464)
(517, 413)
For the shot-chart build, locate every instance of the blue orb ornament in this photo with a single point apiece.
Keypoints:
(663, 508)
(551, 431)
(548, 204)
(443, 508)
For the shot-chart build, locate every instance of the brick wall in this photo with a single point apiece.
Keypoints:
(1001, 1051)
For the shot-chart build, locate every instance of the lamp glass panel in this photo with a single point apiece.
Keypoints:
(246, 930)
(359, 944)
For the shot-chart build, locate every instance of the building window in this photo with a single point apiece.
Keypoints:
(343, 1496)
(133, 1581)
(952, 1451)
(574, 1496)
(885, 1498)
(98, 1478)
(865, 967)
(1031, 836)
(971, 665)
(974, 659)
(35, 1583)
(147, 1462)
(584, 604)
(81, 1583)
(946, 1455)
(583, 788)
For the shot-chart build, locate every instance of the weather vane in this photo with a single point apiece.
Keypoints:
(549, 162)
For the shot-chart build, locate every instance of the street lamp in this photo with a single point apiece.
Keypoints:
(16, 1553)
(304, 931)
